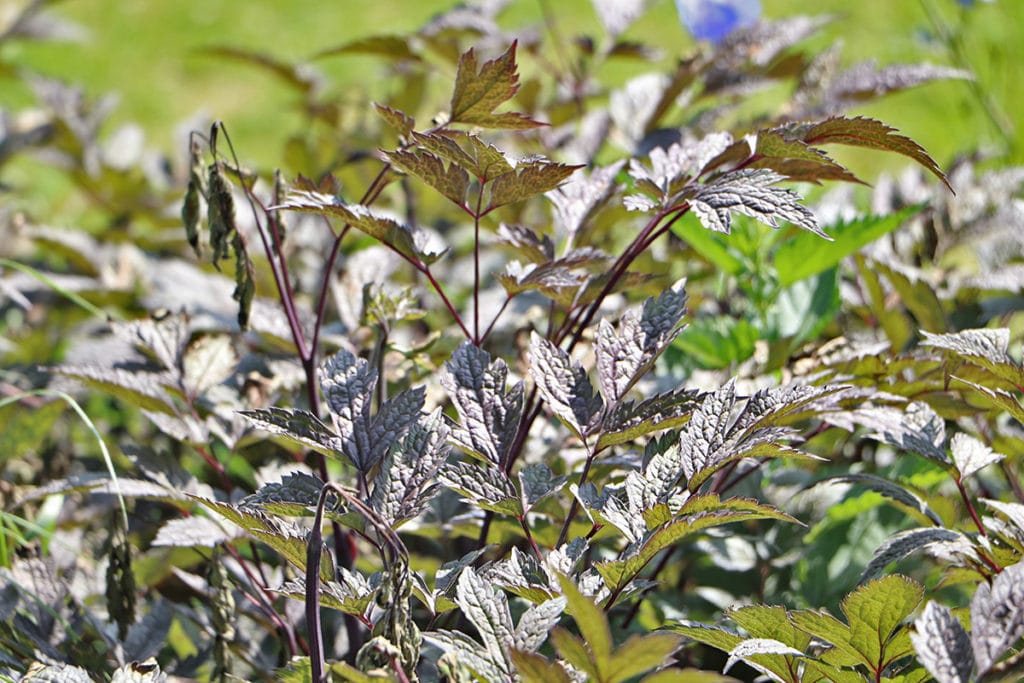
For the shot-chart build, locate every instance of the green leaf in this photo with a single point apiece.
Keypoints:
(805, 308)
(533, 668)
(640, 653)
(575, 652)
(764, 621)
(917, 295)
(876, 610)
(483, 161)
(395, 48)
(863, 132)
(708, 244)
(822, 625)
(717, 343)
(478, 91)
(805, 254)
(796, 160)
(592, 624)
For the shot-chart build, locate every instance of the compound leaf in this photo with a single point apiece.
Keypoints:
(564, 386)
(997, 616)
(750, 192)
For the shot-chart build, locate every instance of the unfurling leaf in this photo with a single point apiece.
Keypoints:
(942, 645)
(479, 91)
(564, 386)
(750, 193)
(489, 412)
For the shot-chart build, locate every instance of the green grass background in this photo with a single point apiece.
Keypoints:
(149, 53)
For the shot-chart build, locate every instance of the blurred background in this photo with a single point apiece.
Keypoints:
(154, 57)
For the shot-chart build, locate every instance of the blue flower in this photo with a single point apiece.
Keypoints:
(715, 19)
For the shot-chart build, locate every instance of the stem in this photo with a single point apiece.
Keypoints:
(440, 292)
(529, 537)
(476, 265)
(970, 508)
(575, 506)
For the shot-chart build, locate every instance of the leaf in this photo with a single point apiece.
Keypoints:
(348, 384)
(486, 487)
(997, 616)
(624, 355)
(537, 482)
(55, 673)
(406, 480)
(796, 160)
(533, 668)
(942, 542)
(617, 15)
(971, 455)
(564, 386)
(895, 492)
(395, 48)
(988, 348)
(146, 390)
(479, 91)
(207, 362)
(164, 339)
(188, 532)
(750, 193)
(398, 120)
(804, 255)
(942, 645)
(407, 241)
(353, 594)
(296, 495)
(864, 132)
(639, 654)
(866, 80)
(452, 181)
(485, 162)
(299, 427)
(876, 610)
(487, 609)
(535, 624)
(705, 434)
(489, 412)
(529, 179)
(919, 429)
(288, 540)
(717, 343)
(632, 419)
(592, 625)
(582, 195)
(758, 646)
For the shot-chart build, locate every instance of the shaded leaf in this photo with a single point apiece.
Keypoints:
(489, 412)
(536, 481)
(623, 355)
(997, 616)
(942, 645)
(938, 541)
(299, 427)
(891, 490)
(564, 386)
(487, 487)
(633, 419)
